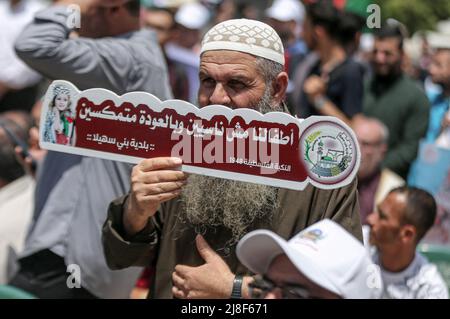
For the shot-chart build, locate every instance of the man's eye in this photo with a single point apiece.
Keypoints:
(236, 85)
(208, 82)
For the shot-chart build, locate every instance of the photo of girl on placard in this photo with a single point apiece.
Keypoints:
(60, 118)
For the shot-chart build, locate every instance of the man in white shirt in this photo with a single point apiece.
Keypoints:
(398, 224)
(15, 75)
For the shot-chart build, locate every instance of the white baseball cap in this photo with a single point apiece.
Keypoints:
(439, 40)
(286, 10)
(192, 16)
(324, 252)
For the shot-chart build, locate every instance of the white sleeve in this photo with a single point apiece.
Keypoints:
(432, 285)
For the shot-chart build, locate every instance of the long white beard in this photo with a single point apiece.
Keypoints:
(213, 202)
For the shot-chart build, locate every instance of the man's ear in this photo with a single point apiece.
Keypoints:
(409, 234)
(279, 87)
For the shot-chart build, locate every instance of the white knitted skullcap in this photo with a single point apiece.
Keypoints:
(244, 35)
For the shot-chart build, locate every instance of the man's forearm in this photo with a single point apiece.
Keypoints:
(41, 40)
(121, 251)
(45, 45)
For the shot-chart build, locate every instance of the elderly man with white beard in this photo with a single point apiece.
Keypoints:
(187, 227)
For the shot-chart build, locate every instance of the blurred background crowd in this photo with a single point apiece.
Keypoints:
(391, 84)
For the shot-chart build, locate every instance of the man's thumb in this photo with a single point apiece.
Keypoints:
(205, 251)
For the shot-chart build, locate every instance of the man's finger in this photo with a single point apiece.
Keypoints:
(182, 270)
(159, 188)
(158, 163)
(205, 251)
(178, 281)
(162, 176)
(177, 293)
(161, 198)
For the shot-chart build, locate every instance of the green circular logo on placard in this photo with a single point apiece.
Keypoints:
(329, 152)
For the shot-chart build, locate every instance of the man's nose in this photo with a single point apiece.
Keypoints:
(371, 218)
(219, 95)
(380, 57)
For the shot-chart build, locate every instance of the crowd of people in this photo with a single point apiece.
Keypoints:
(151, 230)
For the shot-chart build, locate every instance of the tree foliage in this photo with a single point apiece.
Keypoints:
(415, 14)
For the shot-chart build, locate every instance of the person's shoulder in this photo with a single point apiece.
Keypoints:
(416, 96)
(321, 199)
(137, 48)
(430, 280)
(412, 85)
(144, 33)
(352, 63)
(142, 37)
(427, 270)
(351, 70)
(311, 189)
